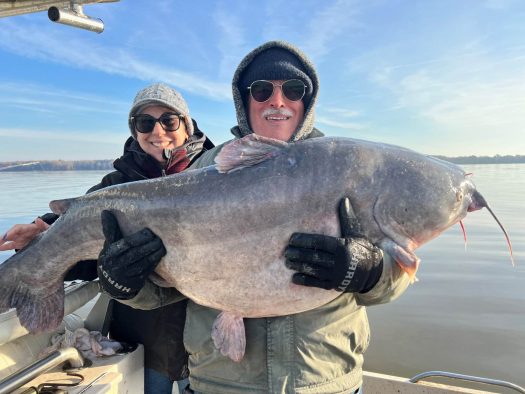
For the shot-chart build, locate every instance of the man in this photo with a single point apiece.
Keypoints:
(275, 89)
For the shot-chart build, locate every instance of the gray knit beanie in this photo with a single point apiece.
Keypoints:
(164, 95)
(275, 64)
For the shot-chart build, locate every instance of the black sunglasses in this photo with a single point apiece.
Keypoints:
(262, 90)
(145, 123)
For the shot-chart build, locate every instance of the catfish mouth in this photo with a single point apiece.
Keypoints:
(478, 202)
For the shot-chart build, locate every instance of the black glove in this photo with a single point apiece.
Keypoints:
(125, 263)
(49, 218)
(83, 270)
(350, 264)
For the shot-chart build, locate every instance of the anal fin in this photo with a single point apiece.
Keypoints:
(229, 336)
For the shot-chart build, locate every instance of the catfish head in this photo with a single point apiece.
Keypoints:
(419, 201)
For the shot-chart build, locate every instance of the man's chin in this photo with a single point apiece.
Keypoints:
(282, 134)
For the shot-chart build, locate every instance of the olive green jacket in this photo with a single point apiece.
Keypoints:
(317, 351)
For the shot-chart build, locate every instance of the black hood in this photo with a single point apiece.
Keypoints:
(306, 128)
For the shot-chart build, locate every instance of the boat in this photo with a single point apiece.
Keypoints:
(25, 367)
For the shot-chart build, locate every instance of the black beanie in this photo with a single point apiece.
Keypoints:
(275, 64)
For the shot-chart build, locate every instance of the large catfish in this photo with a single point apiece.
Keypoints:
(225, 227)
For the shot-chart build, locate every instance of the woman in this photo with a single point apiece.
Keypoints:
(165, 140)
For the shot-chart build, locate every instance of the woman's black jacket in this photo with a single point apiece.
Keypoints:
(159, 330)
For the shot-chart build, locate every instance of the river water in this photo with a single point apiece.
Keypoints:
(467, 312)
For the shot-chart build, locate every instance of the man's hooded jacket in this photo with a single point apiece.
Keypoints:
(317, 351)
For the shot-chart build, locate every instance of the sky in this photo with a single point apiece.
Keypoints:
(443, 77)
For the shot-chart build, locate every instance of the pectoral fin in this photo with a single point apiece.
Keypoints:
(406, 259)
(228, 335)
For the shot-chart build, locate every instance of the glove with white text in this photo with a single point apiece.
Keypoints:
(349, 263)
(125, 263)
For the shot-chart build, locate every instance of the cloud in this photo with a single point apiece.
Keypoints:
(72, 136)
(338, 118)
(327, 21)
(327, 24)
(463, 99)
(483, 106)
(342, 112)
(499, 4)
(51, 46)
(341, 125)
(50, 99)
(34, 144)
(231, 43)
(477, 90)
(164, 7)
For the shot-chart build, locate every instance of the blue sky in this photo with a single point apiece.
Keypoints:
(438, 76)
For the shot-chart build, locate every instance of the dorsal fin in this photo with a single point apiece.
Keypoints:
(247, 151)
(60, 207)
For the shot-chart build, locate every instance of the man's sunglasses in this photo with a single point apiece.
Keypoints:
(145, 123)
(293, 90)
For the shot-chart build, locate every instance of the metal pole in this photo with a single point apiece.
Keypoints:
(469, 378)
(21, 377)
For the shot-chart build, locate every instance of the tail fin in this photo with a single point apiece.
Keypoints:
(39, 306)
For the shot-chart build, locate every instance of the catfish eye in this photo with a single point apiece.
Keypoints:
(459, 196)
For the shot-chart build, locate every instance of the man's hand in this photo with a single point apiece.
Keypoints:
(349, 264)
(125, 263)
(18, 236)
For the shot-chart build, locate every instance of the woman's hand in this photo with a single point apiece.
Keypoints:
(20, 235)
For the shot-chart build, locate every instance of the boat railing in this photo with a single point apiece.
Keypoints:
(469, 378)
(21, 377)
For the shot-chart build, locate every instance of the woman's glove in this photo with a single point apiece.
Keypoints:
(349, 264)
(125, 263)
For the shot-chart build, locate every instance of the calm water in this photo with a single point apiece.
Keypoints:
(467, 312)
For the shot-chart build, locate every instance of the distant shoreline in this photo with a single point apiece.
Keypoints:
(57, 165)
(101, 165)
(498, 159)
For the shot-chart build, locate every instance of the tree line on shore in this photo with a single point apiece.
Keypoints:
(57, 165)
(497, 159)
(101, 165)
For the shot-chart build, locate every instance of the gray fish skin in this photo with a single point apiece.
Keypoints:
(225, 233)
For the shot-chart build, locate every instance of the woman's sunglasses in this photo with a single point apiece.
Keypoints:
(293, 90)
(145, 123)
